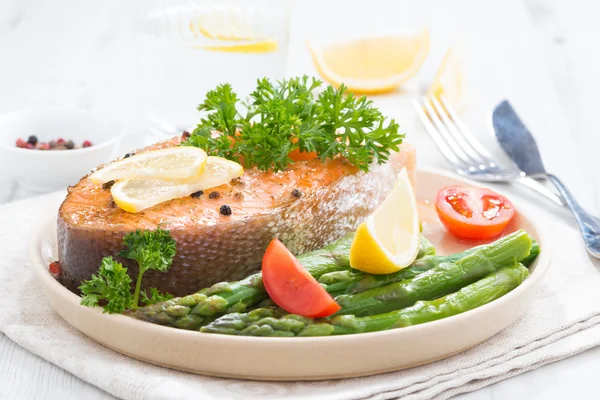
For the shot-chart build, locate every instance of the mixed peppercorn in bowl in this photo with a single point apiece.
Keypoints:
(33, 143)
(90, 139)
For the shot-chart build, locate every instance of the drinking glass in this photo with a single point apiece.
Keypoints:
(187, 48)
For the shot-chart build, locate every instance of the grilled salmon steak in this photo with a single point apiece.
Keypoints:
(306, 206)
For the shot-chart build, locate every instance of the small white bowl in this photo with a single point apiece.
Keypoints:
(48, 170)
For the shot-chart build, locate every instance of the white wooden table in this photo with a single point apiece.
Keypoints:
(69, 53)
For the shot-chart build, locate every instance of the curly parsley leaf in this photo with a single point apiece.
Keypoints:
(155, 297)
(287, 115)
(152, 250)
(360, 129)
(220, 105)
(110, 286)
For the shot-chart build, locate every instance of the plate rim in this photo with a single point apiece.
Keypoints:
(541, 266)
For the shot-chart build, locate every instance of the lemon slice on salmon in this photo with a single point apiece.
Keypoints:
(371, 65)
(448, 83)
(168, 164)
(389, 239)
(135, 195)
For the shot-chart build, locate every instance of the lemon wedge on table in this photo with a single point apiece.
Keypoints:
(168, 164)
(371, 65)
(448, 83)
(389, 238)
(135, 195)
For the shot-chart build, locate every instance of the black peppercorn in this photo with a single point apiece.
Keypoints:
(296, 193)
(70, 145)
(214, 195)
(185, 135)
(128, 155)
(197, 194)
(225, 210)
(32, 140)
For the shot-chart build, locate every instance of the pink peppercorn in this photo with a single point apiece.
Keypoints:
(21, 144)
(87, 143)
(54, 268)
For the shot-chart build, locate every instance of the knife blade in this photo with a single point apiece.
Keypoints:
(516, 140)
(519, 144)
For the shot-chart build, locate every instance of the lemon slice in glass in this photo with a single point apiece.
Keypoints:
(168, 164)
(135, 195)
(389, 238)
(371, 65)
(233, 29)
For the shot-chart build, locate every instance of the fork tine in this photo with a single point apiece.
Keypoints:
(446, 135)
(460, 138)
(437, 138)
(466, 132)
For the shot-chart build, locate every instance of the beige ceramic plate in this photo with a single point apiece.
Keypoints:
(300, 358)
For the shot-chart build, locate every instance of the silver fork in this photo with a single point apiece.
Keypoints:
(466, 154)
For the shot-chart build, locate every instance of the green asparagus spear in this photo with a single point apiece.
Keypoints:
(535, 251)
(426, 248)
(487, 289)
(274, 322)
(440, 280)
(190, 312)
(353, 281)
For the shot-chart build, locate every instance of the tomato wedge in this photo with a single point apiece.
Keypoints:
(473, 213)
(291, 286)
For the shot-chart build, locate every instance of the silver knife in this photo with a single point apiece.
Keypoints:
(519, 144)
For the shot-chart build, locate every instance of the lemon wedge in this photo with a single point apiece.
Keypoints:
(232, 29)
(449, 82)
(389, 238)
(135, 195)
(371, 65)
(167, 164)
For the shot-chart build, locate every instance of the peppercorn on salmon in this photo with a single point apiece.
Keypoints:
(306, 206)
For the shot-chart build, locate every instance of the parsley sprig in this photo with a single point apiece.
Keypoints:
(288, 115)
(111, 286)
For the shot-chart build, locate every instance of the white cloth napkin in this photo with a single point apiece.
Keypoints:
(564, 320)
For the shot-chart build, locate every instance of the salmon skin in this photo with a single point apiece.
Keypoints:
(307, 206)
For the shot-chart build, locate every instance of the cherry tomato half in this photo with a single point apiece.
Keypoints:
(291, 286)
(473, 213)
